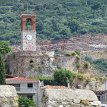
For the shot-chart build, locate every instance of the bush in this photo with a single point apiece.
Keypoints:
(86, 65)
(63, 76)
(102, 79)
(71, 54)
(78, 65)
(68, 54)
(47, 80)
(2, 71)
(25, 102)
(80, 76)
(77, 58)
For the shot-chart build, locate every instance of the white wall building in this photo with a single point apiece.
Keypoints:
(26, 87)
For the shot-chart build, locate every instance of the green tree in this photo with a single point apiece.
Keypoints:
(46, 80)
(4, 48)
(25, 102)
(63, 76)
(74, 25)
(55, 19)
(2, 71)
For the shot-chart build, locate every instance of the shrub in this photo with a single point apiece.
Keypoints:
(102, 79)
(86, 65)
(2, 71)
(81, 76)
(68, 54)
(73, 53)
(26, 102)
(78, 65)
(62, 76)
(77, 58)
(47, 80)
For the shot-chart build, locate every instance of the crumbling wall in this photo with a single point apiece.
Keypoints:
(29, 64)
(36, 64)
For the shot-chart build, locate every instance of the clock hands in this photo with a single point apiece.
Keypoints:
(29, 37)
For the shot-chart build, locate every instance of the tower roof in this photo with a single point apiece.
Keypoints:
(28, 14)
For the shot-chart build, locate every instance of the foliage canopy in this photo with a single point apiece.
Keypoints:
(55, 19)
(63, 76)
(2, 71)
(26, 102)
(4, 48)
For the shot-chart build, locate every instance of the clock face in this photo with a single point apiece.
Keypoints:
(29, 37)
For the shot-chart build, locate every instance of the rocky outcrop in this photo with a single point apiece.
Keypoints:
(69, 98)
(8, 96)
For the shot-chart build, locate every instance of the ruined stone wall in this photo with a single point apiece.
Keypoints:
(29, 64)
(35, 63)
(65, 62)
(69, 98)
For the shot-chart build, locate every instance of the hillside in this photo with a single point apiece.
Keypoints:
(60, 19)
(98, 60)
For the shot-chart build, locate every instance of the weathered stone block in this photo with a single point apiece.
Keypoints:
(8, 96)
(69, 98)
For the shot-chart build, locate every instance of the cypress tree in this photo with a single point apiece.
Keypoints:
(2, 71)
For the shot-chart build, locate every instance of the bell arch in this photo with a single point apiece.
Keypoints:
(28, 22)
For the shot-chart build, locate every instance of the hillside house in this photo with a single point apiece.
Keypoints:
(26, 87)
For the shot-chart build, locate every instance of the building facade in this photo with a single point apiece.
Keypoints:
(26, 87)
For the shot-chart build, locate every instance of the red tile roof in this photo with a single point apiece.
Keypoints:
(20, 80)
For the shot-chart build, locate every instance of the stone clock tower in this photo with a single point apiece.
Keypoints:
(28, 32)
(29, 62)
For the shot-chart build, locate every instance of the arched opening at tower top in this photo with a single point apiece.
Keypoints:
(28, 24)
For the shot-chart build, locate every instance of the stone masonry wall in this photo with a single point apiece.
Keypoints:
(29, 64)
(8, 96)
(69, 98)
(36, 64)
